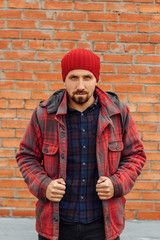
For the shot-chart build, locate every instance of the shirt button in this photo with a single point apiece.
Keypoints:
(84, 164)
(82, 114)
(83, 180)
(82, 197)
(84, 147)
(83, 130)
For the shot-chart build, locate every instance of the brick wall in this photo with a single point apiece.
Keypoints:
(35, 35)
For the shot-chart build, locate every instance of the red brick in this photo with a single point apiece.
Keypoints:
(148, 215)
(7, 113)
(22, 4)
(128, 88)
(105, 87)
(132, 48)
(55, 86)
(154, 70)
(31, 104)
(77, 26)
(155, 166)
(158, 185)
(144, 108)
(151, 136)
(100, 46)
(3, 163)
(101, 37)
(13, 163)
(86, 45)
(114, 27)
(10, 13)
(153, 89)
(15, 104)
(24, 114)
(71, 16)
(121, 7)
(156, 108)
(20, 55)
(68, 45)
(10, 143)
(36, 44)
(7, 85)
(11, 183)
(6, 173)
(22, 24)
(117, 47)
(107, 68)
(142, 98)
(89, 6)
(57, 5)
(103, 17)
(14, 123)
(152, 118)
(152, 175)
(133, 195)
(28, 14)
(4, 212)
(49, 76)
(155, 18)
(4, 44)
(9, 34)
(148, 127)
(129, 215)
(126, 17)
(137, 117)
(2, 3)
(19, 75)
(15, 203)
(41, 66)
(144, 186)
(40, 95)
(19, 133)
(50, 56)
(151, 195)
(23, 213)
(146, 79)
(5, 153)
(6, 193)
(55, 25)
(133, 38)
(132, 69)
(3, 104)
(157, 206)
(115, 78)
(19, 44)
(139, 206)
(148, 28)
(68, 35)
(148, 8)
(155, 39)
(2, 23)
(24, 194)
(152, 156)
(116, 58)
(150, 146)
(29, 34)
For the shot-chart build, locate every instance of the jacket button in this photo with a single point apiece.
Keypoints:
(62, 156)
(62, 134)
(117, 147)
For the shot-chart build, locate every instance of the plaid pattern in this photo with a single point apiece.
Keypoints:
(81, 202)
(42, 157)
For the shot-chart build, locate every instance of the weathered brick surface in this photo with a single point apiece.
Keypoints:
(34, 36)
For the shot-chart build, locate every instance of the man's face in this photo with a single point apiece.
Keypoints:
(80, 85)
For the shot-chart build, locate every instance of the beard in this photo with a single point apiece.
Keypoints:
(80, 99)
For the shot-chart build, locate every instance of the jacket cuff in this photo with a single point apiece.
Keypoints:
(43, 189)
(118, 191)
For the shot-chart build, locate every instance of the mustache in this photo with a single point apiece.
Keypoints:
(80, 92)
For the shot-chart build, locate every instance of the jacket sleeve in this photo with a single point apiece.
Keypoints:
(132, 158)
(29, 159)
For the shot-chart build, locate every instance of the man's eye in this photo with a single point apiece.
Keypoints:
(88, 77)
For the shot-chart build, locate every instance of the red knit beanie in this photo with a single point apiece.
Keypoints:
(80, 59)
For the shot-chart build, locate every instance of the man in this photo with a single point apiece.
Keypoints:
(80, 155)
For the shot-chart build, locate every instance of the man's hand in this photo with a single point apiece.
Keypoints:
(56, 190)
(104, 188)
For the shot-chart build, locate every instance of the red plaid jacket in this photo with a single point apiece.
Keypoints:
(43, 157)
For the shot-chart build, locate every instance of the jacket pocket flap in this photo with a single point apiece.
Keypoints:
(115, 146)
(49, 149)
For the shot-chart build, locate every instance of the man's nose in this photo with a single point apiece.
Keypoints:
(80, 85)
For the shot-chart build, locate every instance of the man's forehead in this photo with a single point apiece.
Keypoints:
(80, 72)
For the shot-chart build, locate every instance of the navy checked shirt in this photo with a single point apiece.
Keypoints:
(81, 202)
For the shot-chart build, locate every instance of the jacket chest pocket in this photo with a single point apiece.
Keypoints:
(51, 160)
(114, 155)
